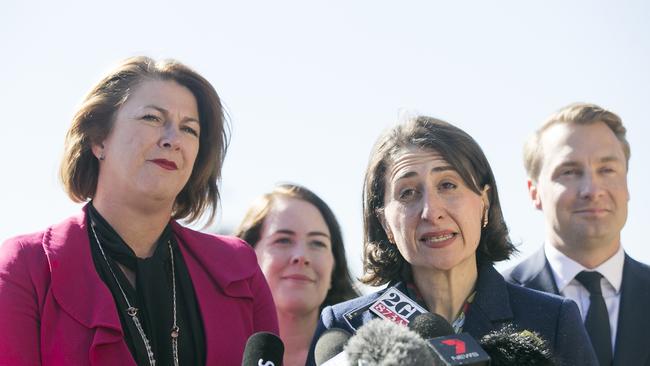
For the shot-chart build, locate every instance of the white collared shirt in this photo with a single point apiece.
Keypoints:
(564, 271)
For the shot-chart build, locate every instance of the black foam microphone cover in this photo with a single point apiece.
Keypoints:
(509, 347)
(330, 344)
(431, 325)
(263, 349)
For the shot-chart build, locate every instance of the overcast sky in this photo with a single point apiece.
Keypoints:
(310, 85)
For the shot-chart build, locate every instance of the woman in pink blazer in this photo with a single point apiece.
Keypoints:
(123, 283)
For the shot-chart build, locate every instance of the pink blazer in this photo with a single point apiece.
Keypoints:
(55, 310)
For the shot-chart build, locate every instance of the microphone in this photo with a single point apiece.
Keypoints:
(385, 343)
(507, 347)
(330, 345)
(431, 325)
(263, 349)
(450, 349)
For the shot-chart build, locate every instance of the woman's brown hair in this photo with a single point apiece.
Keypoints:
(94, 120)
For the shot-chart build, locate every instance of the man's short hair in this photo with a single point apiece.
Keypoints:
(577, 113)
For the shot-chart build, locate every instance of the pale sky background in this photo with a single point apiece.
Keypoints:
(310, 85)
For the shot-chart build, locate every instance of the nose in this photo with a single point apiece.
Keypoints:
(590, 186)
(432, 209)
(170, 138)
(299, 256)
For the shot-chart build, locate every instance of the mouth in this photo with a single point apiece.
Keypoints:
(165, 164)
(592, 211)
(298, 277)
(438, 239)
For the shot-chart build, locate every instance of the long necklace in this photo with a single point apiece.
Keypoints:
(133, 311)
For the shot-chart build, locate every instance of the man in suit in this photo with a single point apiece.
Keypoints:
(577, 164)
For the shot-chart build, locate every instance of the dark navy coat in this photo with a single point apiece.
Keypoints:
(496, 304)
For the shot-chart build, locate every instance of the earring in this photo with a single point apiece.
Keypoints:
(485, 219)
(101, 156)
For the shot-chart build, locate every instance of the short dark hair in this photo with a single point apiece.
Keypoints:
(250, 230)
(94, 121)
(382, 262)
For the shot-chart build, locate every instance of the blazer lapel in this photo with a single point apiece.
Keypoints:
(633, 321)
(81, 293)
(535, 272)
(491, 306)
(215, 274)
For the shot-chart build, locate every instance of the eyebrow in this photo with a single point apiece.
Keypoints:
(609, 159)
(605, 159)
(438, 169)
(311, 233)
(164, 111)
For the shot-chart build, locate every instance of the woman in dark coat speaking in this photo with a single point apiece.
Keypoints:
(433, 228)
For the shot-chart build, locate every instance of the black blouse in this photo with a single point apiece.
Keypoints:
(152, 295)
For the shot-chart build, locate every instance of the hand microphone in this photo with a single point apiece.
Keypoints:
(330, 345)
(507, 347)
(450, 349)
(385, 343)
(263, 349)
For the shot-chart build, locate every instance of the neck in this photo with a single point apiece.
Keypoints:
(445, 292)
(139, 227)
(590, 253)
(296, 331)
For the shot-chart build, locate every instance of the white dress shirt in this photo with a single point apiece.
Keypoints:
(564, 271)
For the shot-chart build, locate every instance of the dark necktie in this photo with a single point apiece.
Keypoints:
(597, 321)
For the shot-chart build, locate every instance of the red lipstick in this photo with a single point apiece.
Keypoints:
(165, 164)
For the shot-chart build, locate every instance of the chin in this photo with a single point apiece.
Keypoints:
(161, 193)
(297, 307)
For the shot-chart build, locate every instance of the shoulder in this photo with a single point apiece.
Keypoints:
(500, 299)
(227, 260)
(641, 269)
(33, 246)
(527, 269)
(27, 247)
(352, 314)
(348, 315)
(29, 256)
(524, 298)
(543, 312)
(215, 245)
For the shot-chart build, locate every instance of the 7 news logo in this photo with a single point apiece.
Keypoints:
(459, 349)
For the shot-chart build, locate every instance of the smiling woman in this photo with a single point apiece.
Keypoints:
(123, 283)
(300, 249)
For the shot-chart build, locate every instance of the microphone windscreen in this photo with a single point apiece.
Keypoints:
(261, 348)
(507, 347)
(330, 344)
(385, 343)
(431, 325)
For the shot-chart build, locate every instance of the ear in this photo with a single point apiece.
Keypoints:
(485, 197)
(98, 150)
(534, 194)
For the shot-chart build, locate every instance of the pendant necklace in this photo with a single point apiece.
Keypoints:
(133, 311)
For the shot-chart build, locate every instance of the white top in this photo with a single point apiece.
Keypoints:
(564, 271)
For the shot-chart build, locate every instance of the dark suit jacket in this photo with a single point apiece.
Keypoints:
(632, 336)
(496, 303)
